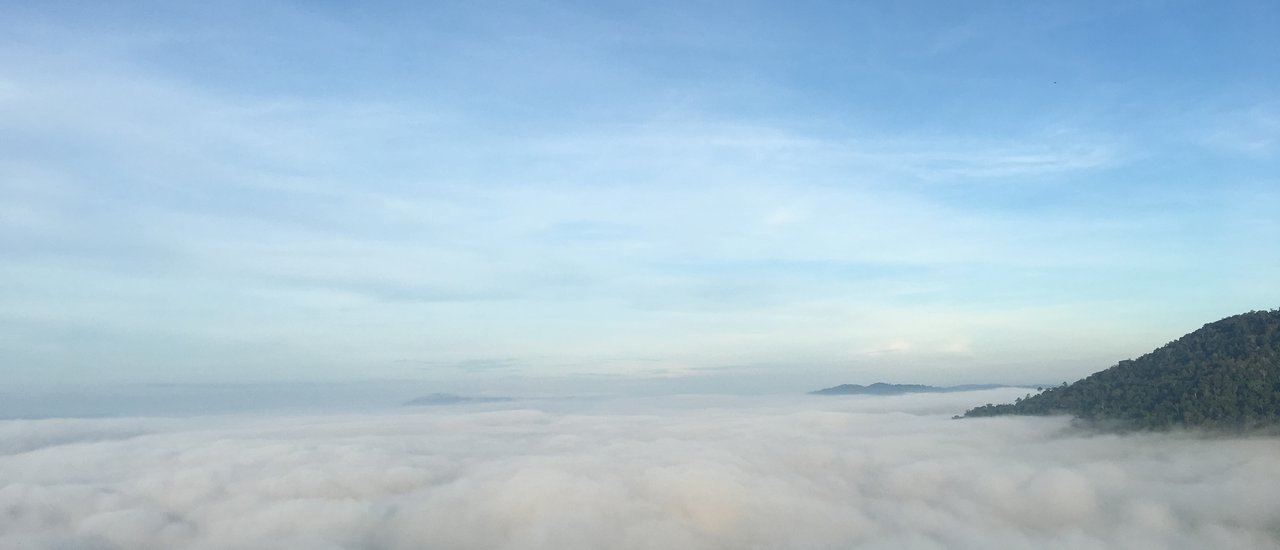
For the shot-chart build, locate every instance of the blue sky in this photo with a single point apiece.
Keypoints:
(487, 196)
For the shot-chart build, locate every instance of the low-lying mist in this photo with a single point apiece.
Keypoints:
(684, 472)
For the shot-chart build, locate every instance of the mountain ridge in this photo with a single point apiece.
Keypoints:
(1226, 374)
(882, 388)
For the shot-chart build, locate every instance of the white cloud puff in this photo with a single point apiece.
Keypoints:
(689, 473)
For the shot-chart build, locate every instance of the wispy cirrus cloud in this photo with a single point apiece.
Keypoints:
(1252, 131)
(588, 183)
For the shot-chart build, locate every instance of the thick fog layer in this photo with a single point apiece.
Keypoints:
(688, 473)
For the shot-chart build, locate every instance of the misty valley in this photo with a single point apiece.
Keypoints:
(893, 466)
(695, 472)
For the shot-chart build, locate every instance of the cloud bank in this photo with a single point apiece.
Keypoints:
(690, 472)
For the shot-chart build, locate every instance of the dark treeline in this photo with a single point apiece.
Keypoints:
(1224, 375)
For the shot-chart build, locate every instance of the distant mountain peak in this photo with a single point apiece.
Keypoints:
(437, 399)
(882, 388)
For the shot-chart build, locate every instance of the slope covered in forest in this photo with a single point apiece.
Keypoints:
(1226, 375)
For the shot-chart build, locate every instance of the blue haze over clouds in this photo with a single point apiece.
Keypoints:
(569, 196)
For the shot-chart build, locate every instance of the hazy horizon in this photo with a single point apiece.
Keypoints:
(375, 395)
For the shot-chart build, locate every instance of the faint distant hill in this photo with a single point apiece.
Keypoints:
(1225, 375)
(881, 388)
(437, 399)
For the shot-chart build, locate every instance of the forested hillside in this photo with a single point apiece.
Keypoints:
(1226, 374)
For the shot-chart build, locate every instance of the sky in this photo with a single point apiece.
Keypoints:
(544, 197)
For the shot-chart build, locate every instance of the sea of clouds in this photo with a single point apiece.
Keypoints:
(671, 473)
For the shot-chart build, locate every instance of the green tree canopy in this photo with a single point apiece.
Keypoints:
(1226, 374)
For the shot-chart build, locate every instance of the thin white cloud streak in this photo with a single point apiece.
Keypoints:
(692, 472)
(1253, 131)
(324, 233)
(719, 184)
